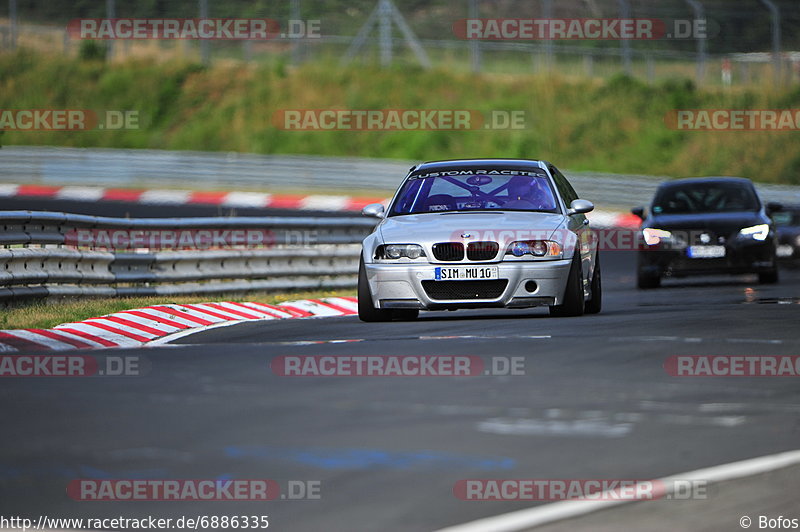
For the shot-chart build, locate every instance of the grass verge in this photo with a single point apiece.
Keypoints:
(616, 125)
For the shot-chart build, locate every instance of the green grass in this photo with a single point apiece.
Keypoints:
(42, 315)
(578, 123)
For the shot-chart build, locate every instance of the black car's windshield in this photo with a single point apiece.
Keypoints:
(705, 198)
(447, 193)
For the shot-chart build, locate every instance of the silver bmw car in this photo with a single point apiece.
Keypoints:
(480, 233)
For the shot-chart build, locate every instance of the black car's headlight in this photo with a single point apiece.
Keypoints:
(653, 236)
(536, 248)
(399, 251)
(756, 232)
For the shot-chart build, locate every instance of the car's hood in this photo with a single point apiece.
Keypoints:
(502, 227)
(720, 223)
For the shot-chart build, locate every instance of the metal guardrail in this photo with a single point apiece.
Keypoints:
(226, 171)
(40, 257)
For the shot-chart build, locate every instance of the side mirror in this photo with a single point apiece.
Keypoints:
(773, 206)
(638, 211)
(580, 206)
(373, 210)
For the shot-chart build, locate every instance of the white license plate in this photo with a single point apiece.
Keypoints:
(784, 250)
(465, 273)
(705, 252)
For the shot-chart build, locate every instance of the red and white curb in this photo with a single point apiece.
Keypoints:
(257, 200)
(311, 202)
(136, 327)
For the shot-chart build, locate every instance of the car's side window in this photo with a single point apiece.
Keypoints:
(564, 188)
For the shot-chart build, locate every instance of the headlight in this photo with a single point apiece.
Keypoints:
(537, 248)
(653, 236)
(398, 251)
(757, 232)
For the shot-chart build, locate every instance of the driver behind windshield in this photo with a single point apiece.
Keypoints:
(527, 193)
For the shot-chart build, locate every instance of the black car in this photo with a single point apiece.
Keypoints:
(787, 225)
(706, 226)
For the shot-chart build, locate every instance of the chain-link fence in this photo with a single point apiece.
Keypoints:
(737, 44)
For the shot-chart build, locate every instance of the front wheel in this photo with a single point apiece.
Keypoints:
(366, 310)
(768, 277)
(573, 304)
(595, 302)
(646, 282)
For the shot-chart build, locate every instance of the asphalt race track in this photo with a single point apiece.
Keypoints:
(595, 402)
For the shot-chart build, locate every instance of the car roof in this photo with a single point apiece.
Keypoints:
(466, 163)
(705, 180)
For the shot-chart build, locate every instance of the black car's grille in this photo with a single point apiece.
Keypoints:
(482, 250)
(448, 251)
(703, 238)
(445, 290)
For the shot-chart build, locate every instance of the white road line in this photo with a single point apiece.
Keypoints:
(559, 511)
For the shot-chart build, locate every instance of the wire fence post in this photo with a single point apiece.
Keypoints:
(385, 32)
(205, 46)
(625, 14)
(12, 16)
(474, 44)
(775, 14)
(699, 14)
(111, 13)
(548, 42)
(297, 43)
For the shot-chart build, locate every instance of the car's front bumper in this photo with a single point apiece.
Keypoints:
(400, 286)
(747, 256)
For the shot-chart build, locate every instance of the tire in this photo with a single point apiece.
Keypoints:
(573, 304)
(768, 277)
(646, 282)
(366, 310)
(595, 303)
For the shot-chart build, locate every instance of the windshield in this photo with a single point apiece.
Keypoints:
(448, 193)
(705, 197)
